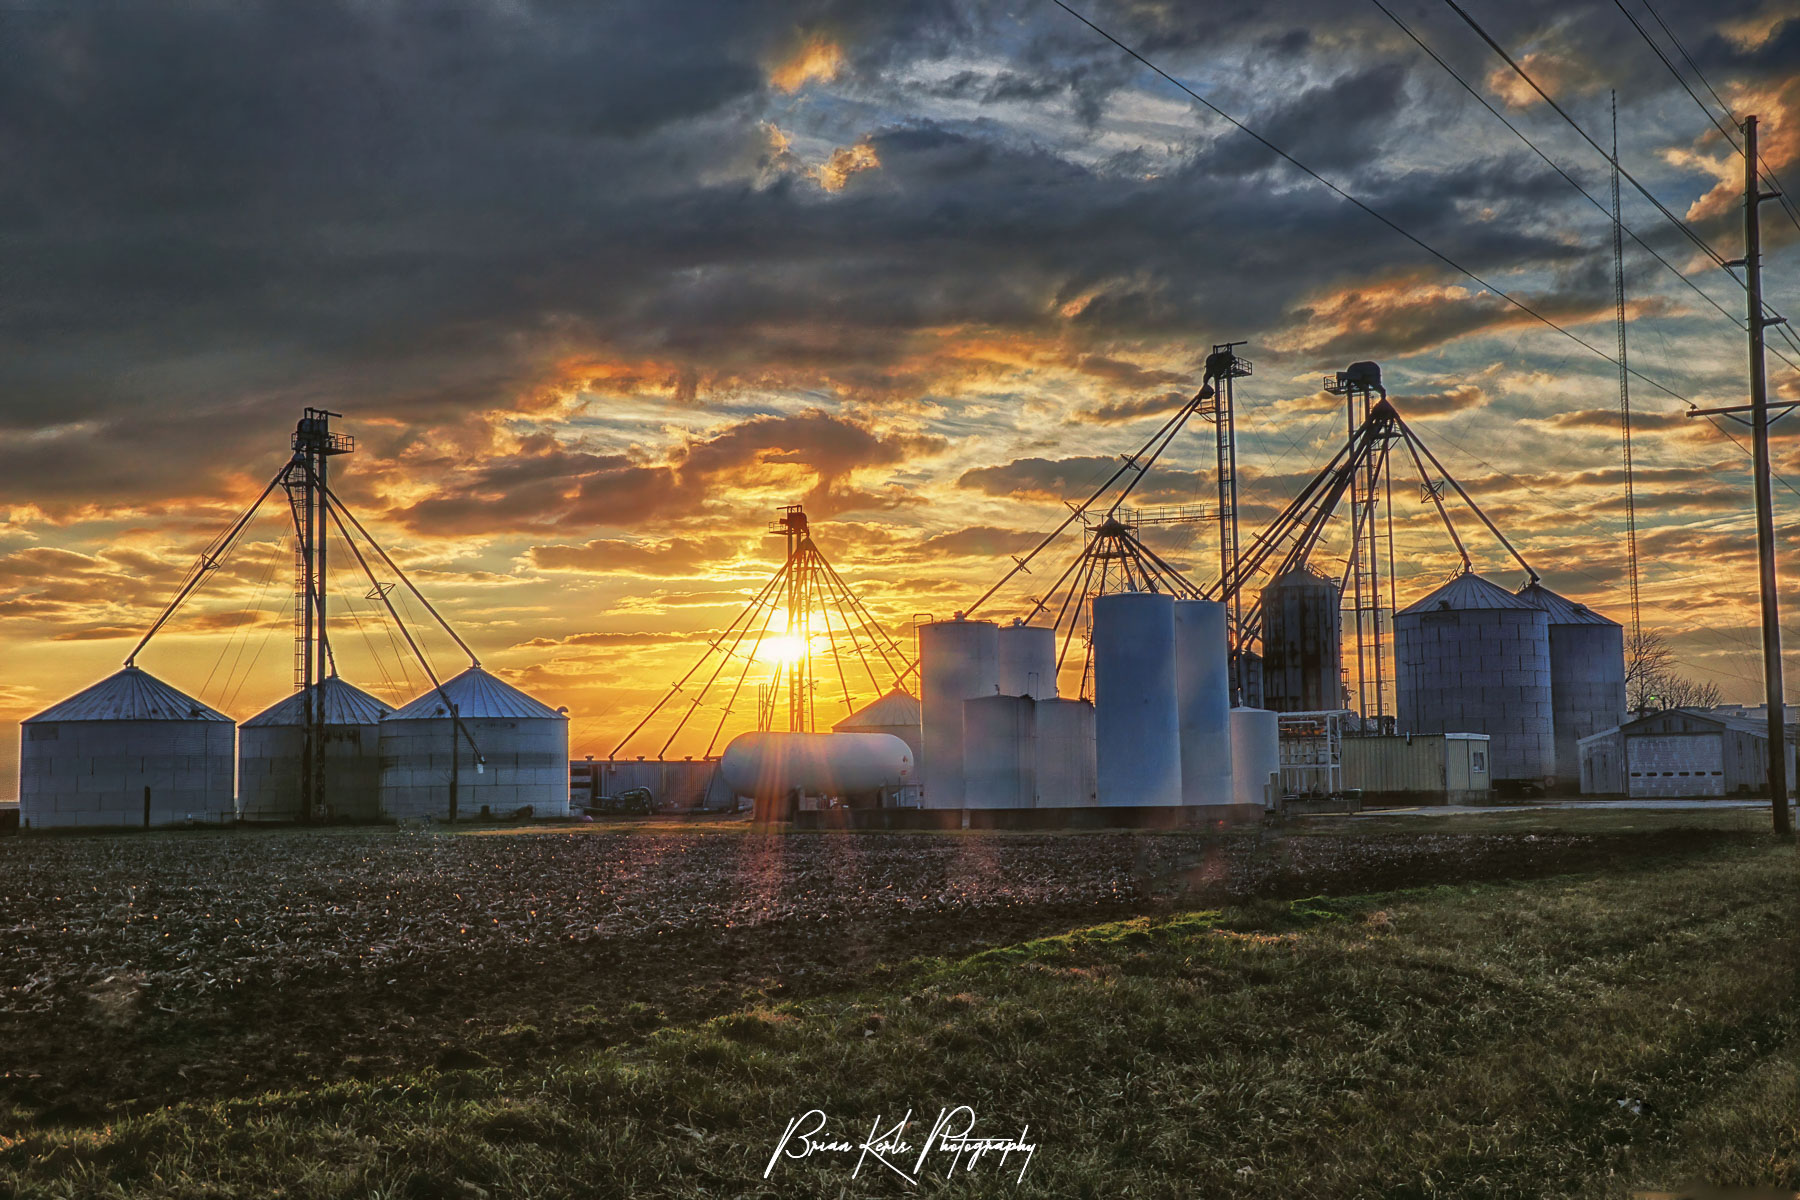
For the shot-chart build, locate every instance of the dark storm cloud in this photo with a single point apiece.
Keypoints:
(221, 211)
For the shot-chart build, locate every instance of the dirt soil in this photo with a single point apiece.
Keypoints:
(143, 969)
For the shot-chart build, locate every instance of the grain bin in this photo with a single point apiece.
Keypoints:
(1472, 657)
(1000, 752)
(130, 751)
(523, 746)
(958, 660)
(1255, 756)
(895, 714)
(1137, 727)
(1302, 662)
(1203, 701)
(272, 756)
(1587, 676)
(1027, 660)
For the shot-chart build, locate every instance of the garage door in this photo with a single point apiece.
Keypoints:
(1690, 764)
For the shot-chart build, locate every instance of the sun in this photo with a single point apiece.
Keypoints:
(783, 648)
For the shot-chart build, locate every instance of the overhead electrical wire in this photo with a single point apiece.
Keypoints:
(1736, 321)
(1402, 230)
(1768, 172)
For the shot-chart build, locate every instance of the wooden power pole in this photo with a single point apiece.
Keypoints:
(1765, 508)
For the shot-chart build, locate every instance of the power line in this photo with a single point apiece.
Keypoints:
(1787, 205)
(1554, 166)
(1700, 242)
(1385, 220)
(1402, 231)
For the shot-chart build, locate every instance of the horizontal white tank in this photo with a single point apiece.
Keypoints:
(1065, 754)
(958, 660)
(1256, 756)
(774, 765)
(1203, 701)
(1000, 752)
(1027, 660)
(1137, 730)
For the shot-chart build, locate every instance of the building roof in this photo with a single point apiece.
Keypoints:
(1562, 610)
(344, 703)
(1467, 591)
(898, 707)
(1726, 716)
(131, 695)
(477, 695)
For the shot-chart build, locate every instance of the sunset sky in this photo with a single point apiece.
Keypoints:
(598, 287)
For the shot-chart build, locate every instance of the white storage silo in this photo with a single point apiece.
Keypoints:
(130, 751)
(1255, 756)
(1000, 752)
(770, 766)
(1136, 726)
(1471, 657)
(958, 660)
(523, 745)
(1066, 770)
(1587, 676)
(272, 753)
(1203, 701)
(1027, 660)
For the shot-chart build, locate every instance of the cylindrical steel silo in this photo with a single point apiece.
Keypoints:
(1471, 657)
(1027, 660)
(1587, 676)
(1137, 729)
(1255, 756)
(130, 751)
(272, 753)
(1000, 752)
(519, 760)
(1203, 701)
(958, 660)
(1065, 754)
(1302, 660)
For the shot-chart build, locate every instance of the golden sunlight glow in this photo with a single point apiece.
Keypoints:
(844, 162)
(818, 58)
(782, 648)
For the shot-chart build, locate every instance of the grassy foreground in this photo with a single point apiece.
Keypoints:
(1579, 1035)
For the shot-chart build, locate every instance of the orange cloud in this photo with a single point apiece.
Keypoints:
(1557, 74)
(818, 58)
(844, 162)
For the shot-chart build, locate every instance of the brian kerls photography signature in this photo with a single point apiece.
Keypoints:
(951, 1137)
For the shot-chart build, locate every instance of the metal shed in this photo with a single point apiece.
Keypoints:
(1421, 768)
(1682, 752)
(428, 768)
(272, 751)
(130, 751)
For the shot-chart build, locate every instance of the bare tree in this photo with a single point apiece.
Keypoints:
(1651, 680)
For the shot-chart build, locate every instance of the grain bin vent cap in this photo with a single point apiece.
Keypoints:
(478, 696)
(1467, 591)
(132, 694)
(344, 704)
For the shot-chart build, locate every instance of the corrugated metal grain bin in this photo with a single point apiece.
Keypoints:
(1587, 675)
(523, 745)
(1424, 768)
(272, 751)
(1471, 657)
(128, 751)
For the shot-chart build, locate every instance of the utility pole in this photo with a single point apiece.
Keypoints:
(1765, 508)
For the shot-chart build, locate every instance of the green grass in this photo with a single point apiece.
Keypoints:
(1451, 1041)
